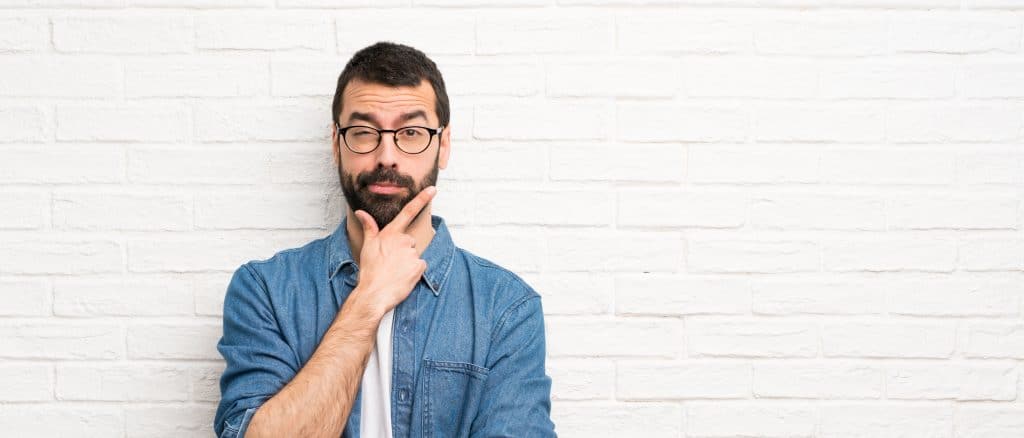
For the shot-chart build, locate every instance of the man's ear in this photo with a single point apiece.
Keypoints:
(335, 144)
(446, 147)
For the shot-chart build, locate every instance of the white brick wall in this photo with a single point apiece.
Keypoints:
(765, 218)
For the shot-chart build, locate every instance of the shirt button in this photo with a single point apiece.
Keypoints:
(403, 394)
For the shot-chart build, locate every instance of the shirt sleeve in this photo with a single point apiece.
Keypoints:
(258, 360)
(516, 399)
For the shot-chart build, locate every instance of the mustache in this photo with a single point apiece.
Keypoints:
(384, 175)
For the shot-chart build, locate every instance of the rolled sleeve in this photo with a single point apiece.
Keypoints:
(258, 360)
(517, 393)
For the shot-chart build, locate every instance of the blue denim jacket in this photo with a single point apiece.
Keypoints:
(468, 340)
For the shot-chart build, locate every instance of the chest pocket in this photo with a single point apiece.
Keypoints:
(453, 391)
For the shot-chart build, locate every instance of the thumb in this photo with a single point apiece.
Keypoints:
(369, 225)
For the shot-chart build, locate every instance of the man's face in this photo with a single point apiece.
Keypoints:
(383, 181)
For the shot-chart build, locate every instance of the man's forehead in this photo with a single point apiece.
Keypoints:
(385, 103)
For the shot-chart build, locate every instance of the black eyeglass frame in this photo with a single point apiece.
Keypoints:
(394, 137)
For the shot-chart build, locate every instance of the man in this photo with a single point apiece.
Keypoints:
(384, 328)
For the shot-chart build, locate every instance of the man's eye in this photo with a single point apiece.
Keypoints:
(410, 133)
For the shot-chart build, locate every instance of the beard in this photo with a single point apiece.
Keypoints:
(383, 207)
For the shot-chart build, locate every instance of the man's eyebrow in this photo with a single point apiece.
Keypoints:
(356, 115)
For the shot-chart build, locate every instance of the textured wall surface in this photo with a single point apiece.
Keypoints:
(778, 218)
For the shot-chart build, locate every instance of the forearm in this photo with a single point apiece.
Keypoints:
(318, 400)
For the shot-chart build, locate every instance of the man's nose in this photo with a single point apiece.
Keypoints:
(387, 153)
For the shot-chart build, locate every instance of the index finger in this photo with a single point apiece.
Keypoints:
(405, 217)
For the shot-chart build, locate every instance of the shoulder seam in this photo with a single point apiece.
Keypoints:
(505, 315)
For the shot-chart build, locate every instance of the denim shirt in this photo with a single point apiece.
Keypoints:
(468, 341)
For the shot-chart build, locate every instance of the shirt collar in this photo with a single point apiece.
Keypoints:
(438, 255)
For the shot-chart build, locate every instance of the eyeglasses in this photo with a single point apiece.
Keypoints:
(366, 139)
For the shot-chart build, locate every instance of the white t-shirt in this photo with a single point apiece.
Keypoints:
(375, 414)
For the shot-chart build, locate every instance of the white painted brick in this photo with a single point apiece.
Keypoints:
(479, 3)
(750, 337)
(954, 32)
(454, 205)
(874, 79)
(305, 76)
(201, 4)
(625, 337)
(948, 381)
(956, 212)
(122, 382)
(888, 338)
(262, 210)
(575, 293)
(60, 256)
(743, 164)
(121, 211)
(339, 4)
(980, 421)
(608, 420)
(431, 31)
(206, 382)
(887, 166)
(193, 253)
(123, 122)
(618, 162)
(95, 164)
(910, 4)
(499, 161)
(248, 122)
(718, 32)
(25, 123)
(747, 77)
(752, 256)
(581, 379)
(720, 419)
(987, 254)
(817, 211)
(543, 207)
(551, 31)
(680, 209)
(952, 123)
(27, 297)
(174, 341)
(122, 297)
(993, 79)
(209, 292)
(818, 296)
(60, 76)
(24, 34)
(23, 210)
(479, 78)
(60, 340)
(681, 380)
(541, 121)
(993, 4)
(626, 77)
(852, 123)
(617, 252)
(677, 295)
(172, 420)
(889, 254)
(805, 34)
(660, 122)
(817, 380)
(978, 167)
(63, 420)
(127, 33)
(26, 382)
(513, 251)
(178, 76)
(864, 420)
(994, 340)
(263, 31)
(302, 164)
(178, 165)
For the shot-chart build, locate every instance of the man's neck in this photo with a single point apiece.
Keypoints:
(420, 229)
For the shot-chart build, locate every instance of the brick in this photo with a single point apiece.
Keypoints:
(60, 76)
(806, 34)
(333, 4)
(619, 337)
(121, 211)
(120, 122)
(196, 340)
(196, 76)
(201, 4)
(817, 211)
(817, 380)
(678, 295)
(661, 122)
(245, 123)
(506, 78)
(743, 164)
(647, 252)
(63, 420)
(718, 32)
(993, 79)
(500, 161)
(26, 382)
(872, 166)
(618, 162)
(542, 207)
(60, 256)
(123, 297)
(719, 419)
(122, 382)
(581, 379)
(680, 209)
(851, 123)
(513, 251)
(996, 167)
(575, 293)
(752, 256)
(994, 340)
(305, 164)
(885, 419)
(987, 254)
(515, 32)
(182, 165)
(23, 210)
(261, 210)
(626, 77)
(432, 32)
(124, 34)
(980, 212)
(888, 254)
(541, 121)
(206, 383)
(952, 123)
(263, 31)
(173, 420)
(896, 80)
(979, 421)
(746, 77)
(305, 76)
(209, 290)
(709, 336)
(219, 252)
(26, 297)
(609, 419)
(97, 164)
(60, 340)
(954, 32)
(19, 34)
(819, 296)
(26, 124)
(681, 380)
(961, 382)
(887, 338)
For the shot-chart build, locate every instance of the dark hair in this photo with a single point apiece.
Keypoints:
(396, 65)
